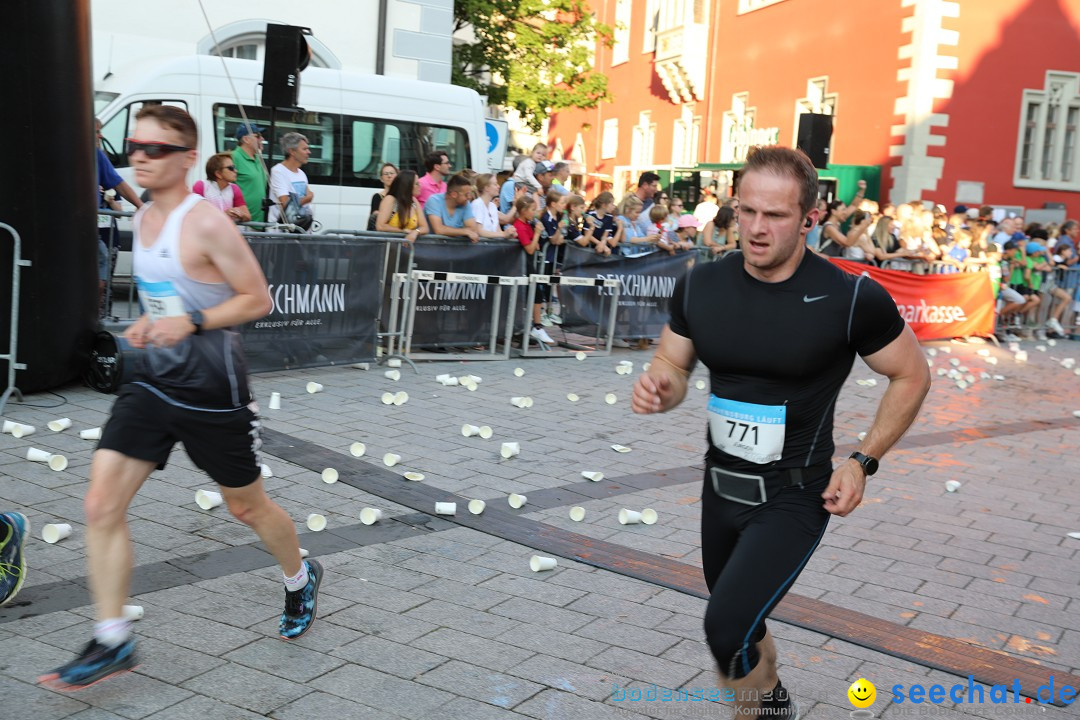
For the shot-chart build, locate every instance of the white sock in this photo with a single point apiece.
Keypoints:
(298, 581)
(112, 632)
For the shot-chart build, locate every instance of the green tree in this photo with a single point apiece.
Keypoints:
(531, 55)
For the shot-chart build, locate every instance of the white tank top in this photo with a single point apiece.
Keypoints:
(164, 287)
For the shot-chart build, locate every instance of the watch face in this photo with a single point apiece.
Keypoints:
(871, 466)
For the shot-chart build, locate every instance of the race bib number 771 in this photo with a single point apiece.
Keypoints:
(746, 430)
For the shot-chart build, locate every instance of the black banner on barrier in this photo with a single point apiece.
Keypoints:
(325, 296)
(646, 283)
(460, 313)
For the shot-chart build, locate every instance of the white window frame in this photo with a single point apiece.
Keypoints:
(609, 139)
(651, 26)
(620, 52)
(747, 6)
(1047, 147)
(644, 141)
(685, 138)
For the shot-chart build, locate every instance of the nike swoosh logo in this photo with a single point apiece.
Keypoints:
(807, 298)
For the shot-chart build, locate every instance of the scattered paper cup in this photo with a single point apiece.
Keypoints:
(517, 501)
(519, 372)
(414, 476)
(518, 401)
(931, 352)
(265, 471)
(9, 426)
(649, 516)
(361, 366)
(629, 517)
(208, 499)
(1021, 356)
(528, 402)
(952, 485)
(700, 384)
(1076, 413)
(510, 449)
(303, 553)
(646, 366)
(59, 425)
(572, 397)
(962, 384)
(861, 436)
(21, 431)
(539, 564)
(55, 532)
(942, 372)
(275, 401)
(370, 515)
(620, 448)
(393, 362)
(580, 355)
(954, 362)
(1040, 348)
(330, 476)
(401, 397)
(946, 350)
(1074, 535)
(314, 387)
(470, 430)
(450, 381)
(357, 449)
(36, 455)
(992, 360)
(577, 513)
(132, 613)
(387, 398)
(592, 475)
(316, 522)
(445, 508)
(486, 432)
(57, 462)
(394, 375)
(621, 370)
(391, 459)
(442, 378)
(610, 398)
(477, 506)
(475, 379)
(469, 385)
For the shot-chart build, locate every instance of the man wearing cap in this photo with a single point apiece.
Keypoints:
(543, 174)
(250, 169)
(562, 175)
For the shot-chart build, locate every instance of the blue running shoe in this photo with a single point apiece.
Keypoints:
(95, 663)
(301, 605)
(14, 529)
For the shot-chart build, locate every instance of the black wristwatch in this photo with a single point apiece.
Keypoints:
(196, 317)
(869, 464)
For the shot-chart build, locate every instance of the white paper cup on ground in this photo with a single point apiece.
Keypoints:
(314, 387)
(357, 449)
(486, 432)
(517, 501)
(21, 431)
(629, 517)
(572, 397)
(621, 448)
(316, 522)
(330, 476)
(445, 508)
(370, 515)
(476, 379)
(649, 516)
(580, 355)
(394, 375)
(208, 499)
(393, 362)
(519, 372)
(477, 506)
(9, 426)
(470, 430)
(391, 459)
(387, 398)
(952, 485)
(528, 402)
(700, 384)
(414, 476)
(303, 553)
(577, 513)
(275, 401)
(133, 613)
(519, 401)
(538, 563)
(442, 378)
(265, 471)
(361, 366)
(510, 449)
(592, 475)
(57, 462)
(60, 424)
(610, 399)
(401, 397)
(36, 455)
(55, 532)
(450, 381)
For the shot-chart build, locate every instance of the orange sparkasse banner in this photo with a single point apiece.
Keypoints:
(936, 306)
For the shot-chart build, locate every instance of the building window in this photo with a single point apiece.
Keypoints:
(652, 20)
(746, 6)
(1046, 148)
(609, 142)
(685, 138)
(245, 51)
(621, 52)
(641, 151)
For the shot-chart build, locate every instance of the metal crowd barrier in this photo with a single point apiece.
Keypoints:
(17, 264)
(566, 348)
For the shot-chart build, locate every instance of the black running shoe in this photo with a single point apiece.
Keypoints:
(95, 663)
(301, 605)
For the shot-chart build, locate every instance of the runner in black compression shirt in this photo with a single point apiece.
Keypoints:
(778, 328)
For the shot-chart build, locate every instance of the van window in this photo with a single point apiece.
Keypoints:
(122, 125)
(322, 168)
(372, 142)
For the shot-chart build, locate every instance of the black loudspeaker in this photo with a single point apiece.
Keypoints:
(287, 53)
(815, 134)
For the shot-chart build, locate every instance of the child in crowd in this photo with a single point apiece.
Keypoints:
(552, 225)
(1019, 273)
(581, 232)
(658, 216)
(686, 236)
(526, 171)
(957, 254)
(601, 218)
(528, 234)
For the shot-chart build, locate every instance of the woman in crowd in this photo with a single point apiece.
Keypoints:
(220, 188)
(601, 218)
(833, 240)
(887, 247)
(401, 212)
(486, 211)
(634, 243)
(720, 234)
(860, 249)
(387, 173)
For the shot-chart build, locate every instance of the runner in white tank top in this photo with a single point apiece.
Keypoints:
(197, 279)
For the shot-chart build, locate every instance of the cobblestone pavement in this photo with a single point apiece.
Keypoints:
(422, 618)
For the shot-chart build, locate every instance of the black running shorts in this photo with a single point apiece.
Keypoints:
(225, 445)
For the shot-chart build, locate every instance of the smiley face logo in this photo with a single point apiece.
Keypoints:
(862, 693)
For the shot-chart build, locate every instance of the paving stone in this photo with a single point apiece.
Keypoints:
(538, 590)
(325, 705)
(407, 698)
(640, 666)
(568, 676)
(478, 683)
(250, 689)
(629, 636)
(538, 638)
(559, 705)
(285, 660)
(526, 610)
(173, 664)
(133, 695)
(203, 635)
(437, 612)
(473, 710)
(484, 652)
(395, 658)
(27, 701)
(204, 708)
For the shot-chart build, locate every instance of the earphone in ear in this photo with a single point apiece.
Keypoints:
(809, 223)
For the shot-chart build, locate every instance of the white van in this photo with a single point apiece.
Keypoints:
(354, 123)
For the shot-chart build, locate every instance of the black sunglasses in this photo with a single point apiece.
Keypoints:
(153, 150)
(229, 167)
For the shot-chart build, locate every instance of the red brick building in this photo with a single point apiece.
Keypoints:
(955, 101)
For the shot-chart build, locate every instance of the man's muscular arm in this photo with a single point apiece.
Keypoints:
(663, 385)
